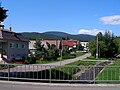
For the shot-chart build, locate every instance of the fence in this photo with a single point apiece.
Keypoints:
(51, 73)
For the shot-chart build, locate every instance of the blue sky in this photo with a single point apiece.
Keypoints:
(71, 16)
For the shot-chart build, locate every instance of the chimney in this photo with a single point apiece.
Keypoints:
(10, 28)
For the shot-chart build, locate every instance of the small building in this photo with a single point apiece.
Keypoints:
(12, 45)
(55, 42)
(32, 49)
(85, 45)
(58, 43)
(61, 43)
(70, 43)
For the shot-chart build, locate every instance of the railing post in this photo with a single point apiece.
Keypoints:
(50, 75)
(8, 72)
(94, 74)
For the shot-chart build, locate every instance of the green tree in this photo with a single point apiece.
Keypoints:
(107, 45)
(80, 47)
(100, 36)
(2, 14)
(53, 52)
(41, 53)
(92, 47)
(111, 44)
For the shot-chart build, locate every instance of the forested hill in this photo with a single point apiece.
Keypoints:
(56, 35)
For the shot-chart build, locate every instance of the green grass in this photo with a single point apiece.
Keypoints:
(93, 58)
(79, 54)
(72, 67)
(59, 59)
(110, 73)
(45, 61)
(5, 66)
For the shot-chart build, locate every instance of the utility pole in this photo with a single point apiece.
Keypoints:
(61, 52)
(97, 48)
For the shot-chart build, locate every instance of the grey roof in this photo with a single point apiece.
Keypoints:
(9, 35)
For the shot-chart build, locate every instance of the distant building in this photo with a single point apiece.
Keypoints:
(12, 45)
(32, 49)
(70, 43)
(58, 43)
(55, 42)
(85, 45)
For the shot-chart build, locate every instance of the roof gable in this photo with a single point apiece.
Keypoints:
(9, 35)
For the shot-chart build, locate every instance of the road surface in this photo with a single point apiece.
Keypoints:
(4, 86)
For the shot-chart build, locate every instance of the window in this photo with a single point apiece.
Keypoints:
(0, 45)
(11, 45)
(18, 45)
(23, 46)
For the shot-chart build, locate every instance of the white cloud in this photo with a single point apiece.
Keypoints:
(91, 32)
(112, 20)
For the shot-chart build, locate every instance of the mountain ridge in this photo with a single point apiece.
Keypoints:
(52, 35)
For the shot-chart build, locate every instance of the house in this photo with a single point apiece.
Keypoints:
(12, 45)
(58, 43)
(32, 49)
(85, 45)
(55, 42)
(70, 43)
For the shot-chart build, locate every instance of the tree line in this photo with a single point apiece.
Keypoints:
(108, 46)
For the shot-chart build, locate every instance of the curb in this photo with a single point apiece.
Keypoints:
(60, 84)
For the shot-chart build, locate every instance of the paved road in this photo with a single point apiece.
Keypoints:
(4, 86)
(67, 61)
(40, 67)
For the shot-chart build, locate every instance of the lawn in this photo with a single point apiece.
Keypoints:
(94, 58)
(73, 68)
(59, 59)
(79, 54)
(45, 61)
(112, 72)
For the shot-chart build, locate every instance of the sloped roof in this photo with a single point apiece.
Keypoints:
(55, 42)
(9, 35)
(70, 43)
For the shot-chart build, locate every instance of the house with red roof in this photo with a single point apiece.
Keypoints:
(70, 43)
(58, 43)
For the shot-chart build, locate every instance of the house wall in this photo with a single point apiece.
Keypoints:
(55, 42)
(17, 52)
(84, 44)
(5, 48)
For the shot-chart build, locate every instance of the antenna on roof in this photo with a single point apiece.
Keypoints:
(10, 27)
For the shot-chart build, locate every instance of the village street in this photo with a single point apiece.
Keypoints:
(26, 86)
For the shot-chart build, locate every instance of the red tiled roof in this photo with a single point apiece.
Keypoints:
(70, 43)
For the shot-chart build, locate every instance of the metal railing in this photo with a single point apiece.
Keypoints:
(51, 73)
